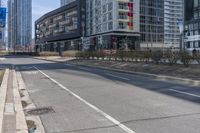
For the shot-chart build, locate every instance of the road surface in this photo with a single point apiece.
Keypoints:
(89, 100)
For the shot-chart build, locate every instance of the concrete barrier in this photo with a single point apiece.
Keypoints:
(3, 91)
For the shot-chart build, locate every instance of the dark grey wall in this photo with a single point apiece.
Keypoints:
(64, 36)
(189, 9)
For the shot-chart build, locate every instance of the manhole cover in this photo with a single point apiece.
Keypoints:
(40, 111)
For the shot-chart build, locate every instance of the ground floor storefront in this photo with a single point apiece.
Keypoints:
(60, 46)
(93, 43)
(111, 41)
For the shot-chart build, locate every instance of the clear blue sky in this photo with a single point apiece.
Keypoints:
(40, 7)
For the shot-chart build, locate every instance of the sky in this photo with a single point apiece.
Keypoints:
(40, 7)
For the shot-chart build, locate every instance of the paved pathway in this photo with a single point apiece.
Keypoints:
(12, 119)
(9, 121)
(90, 100)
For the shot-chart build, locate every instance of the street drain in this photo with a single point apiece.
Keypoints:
(40, 111)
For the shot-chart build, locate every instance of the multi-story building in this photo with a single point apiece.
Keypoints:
(159, 23)
(152, 24)
(19, 23)
(10, 24)
(112, 24)
(61, 29)
(3, 25)
(65, 2)
(192, 25)
(173, 13)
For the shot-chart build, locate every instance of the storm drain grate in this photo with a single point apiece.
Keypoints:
(40, 111)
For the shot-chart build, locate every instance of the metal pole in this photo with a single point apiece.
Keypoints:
(151, 35)
(182, 34)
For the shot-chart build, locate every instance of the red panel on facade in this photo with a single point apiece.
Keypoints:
(130, 14)
(130, 24)
(130, 4)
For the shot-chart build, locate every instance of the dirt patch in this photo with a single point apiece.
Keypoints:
(1, 75)
(24, 104)
(40, 111)
(191, 72)
(21, 94)
(31, 125)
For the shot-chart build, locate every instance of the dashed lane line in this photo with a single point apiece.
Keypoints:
(185, 93)
(115, 76)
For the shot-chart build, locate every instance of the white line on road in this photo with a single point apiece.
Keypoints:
(186, 93)
(113, 120)
(69, 65)
(2, 59)
(85, 69)
(82, 68)
(117, 76)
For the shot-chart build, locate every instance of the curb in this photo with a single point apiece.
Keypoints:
(50, 60)
(162, 77)
(36, 119)
(3, 91)
(21, 126)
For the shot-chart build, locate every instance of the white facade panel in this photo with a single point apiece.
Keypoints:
(173, 12)
(112, 15)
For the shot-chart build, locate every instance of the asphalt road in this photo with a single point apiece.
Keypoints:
(88, 100)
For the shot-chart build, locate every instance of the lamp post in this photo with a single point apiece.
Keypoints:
(183, 43)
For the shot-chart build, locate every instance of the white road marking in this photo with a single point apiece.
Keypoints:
(31, 72)
(69, 65)
(186, 93)
(113, 120)
(118, 76)
(82, 68)
(2, 59)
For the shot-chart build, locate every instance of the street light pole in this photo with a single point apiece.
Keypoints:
(183, 43)
(151, 34)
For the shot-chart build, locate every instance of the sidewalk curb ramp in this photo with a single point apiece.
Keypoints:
(3, 91)
(161, 77)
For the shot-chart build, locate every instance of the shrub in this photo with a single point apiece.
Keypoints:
(197, 57)
(186, 58)
(120, 55)
(48, 54)
(172, 57)
(156, 56)
(70, 53)
(146, 56)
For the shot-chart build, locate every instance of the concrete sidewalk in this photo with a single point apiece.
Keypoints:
(12, 118)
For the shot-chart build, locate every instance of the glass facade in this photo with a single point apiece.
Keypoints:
(111, 24)
(19, 23)
(192, 25)
(65, 2)
(152, 23)
(173, 12)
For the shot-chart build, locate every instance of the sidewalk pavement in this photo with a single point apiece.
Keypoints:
(163, 77)
(12, 118)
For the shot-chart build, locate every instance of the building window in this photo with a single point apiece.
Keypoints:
(110, 25)
(196, 3)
